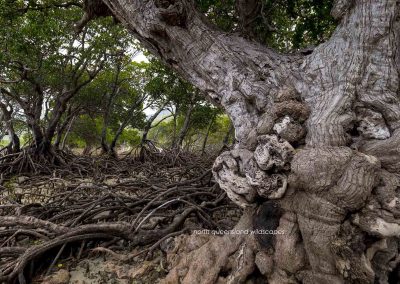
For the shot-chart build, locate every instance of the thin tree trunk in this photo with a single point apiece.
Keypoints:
(106, 118)
(60, 132)
(14, 145)
(174, 136)
(67, 133)
(15, 142)
(149, 123)
(68, 92)
(70, 114)
(123, 125)
(146, 130)
(36, 132)
(203, 147)
(33, 114)
(57, 113)
(185, 127)
(228, 135)
(103, 140)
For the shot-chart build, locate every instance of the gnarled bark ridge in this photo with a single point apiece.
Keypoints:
(317, 140)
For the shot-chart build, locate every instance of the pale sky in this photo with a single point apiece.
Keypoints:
(140, 57)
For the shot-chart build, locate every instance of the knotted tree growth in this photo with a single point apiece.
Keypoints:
(317, 141)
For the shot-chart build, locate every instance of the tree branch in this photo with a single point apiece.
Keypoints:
(240, 75)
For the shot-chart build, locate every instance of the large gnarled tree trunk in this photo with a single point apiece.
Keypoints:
(317, 151)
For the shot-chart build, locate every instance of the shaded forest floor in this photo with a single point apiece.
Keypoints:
(104, 220)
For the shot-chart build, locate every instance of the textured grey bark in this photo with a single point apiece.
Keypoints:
(317, 141)
(6, 111)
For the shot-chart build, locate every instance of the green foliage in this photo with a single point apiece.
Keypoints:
(200, 120)
(41, 52)
(300, 23)
(221, 13)
(38, 37)
(164, 85)
(44, 41)
(122, 86)
(85, 132)
(131, 137)
(282, 24)
(202, 115)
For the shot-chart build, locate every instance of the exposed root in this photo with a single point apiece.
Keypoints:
(44, 219)
(149, 152)
(30, 160)
(219, 259)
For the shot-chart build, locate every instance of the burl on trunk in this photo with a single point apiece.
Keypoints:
(317, 153)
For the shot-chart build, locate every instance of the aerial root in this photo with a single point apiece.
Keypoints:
(120, 208)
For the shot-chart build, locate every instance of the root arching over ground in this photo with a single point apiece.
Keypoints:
(105, 205)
